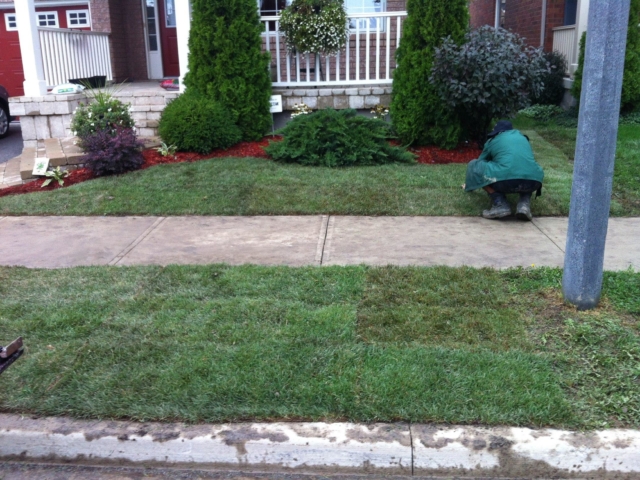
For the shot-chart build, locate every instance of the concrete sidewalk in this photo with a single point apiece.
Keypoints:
(56, 242)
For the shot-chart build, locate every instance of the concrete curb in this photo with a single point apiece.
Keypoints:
(398, 449)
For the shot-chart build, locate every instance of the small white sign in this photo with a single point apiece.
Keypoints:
(41, 166)
(276, 103)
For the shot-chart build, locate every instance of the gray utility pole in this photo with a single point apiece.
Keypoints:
(595, 151)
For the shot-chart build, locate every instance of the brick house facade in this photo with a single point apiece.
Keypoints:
(130, 28)
(525, 17)
(482, 12)
(123, 19)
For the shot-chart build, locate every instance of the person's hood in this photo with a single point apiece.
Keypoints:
(501, 126)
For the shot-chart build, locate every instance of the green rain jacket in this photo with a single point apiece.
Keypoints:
(507, 156)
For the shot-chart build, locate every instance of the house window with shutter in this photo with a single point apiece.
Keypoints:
(78, 19)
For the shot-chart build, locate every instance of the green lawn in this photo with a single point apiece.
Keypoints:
(235, 186)
(232, 186)
(218, 343)
(625, 199)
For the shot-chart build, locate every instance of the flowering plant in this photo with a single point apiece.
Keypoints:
(315, 26)
(380, 112)
(102, 113)
(300, 109)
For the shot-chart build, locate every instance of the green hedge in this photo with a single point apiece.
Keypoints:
(226, 61)
(195, 123)
(630, 99)
(419, 115)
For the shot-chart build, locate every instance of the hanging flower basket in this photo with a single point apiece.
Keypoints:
(315, 26)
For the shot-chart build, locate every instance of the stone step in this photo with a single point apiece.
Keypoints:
(53, 151)
(10, 173)
(27, 162)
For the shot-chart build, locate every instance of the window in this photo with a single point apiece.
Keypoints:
(270, 8)
(78, 19)
(10, 22)
(47, 19)
(151, 26)
(170, 13)
(570, 10)
(365, 7)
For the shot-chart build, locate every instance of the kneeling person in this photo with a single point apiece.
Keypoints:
(506, 165)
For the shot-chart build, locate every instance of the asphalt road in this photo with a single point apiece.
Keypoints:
(11, 145)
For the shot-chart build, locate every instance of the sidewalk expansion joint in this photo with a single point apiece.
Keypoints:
(137, 241)
(550, 239)
(412, 447)
(328, 241)
(322, 240)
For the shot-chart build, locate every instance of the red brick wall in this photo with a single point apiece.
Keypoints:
(100, 15)
(555, 18)
(524, 18)
(482, 12)
(123, 19)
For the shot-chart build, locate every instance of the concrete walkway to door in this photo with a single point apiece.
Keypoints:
(56, 242)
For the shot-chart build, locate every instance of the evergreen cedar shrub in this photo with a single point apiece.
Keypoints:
(226, 61)
(111, 153)
(196, 123)
(630, 99)
(491, 76)
(418, 113)
(553, 91)
(336, 138)
(576, 88)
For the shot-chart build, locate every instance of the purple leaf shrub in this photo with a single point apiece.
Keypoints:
(109, 153)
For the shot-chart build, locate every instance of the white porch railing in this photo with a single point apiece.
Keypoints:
(70, 54)
(564, 41)
(367, 59)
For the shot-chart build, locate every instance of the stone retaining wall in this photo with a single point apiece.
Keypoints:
(50, 116)
(338, 98)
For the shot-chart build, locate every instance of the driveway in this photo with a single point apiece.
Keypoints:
(11, 145)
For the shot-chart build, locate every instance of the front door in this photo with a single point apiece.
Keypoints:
(169, 37)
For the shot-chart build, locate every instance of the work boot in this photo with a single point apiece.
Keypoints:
(499, 207)
(523, 210)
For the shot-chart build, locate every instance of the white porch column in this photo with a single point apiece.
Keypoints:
(34, 83)
(582, 19)
(183, 24)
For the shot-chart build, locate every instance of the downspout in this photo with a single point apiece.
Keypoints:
(543, 27)
(498, 7)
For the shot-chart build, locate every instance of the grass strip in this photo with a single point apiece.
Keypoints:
(237, 186)
(219, 343)
(625, 200)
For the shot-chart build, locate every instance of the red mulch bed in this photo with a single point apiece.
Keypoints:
(428, 155)
(435, 155)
